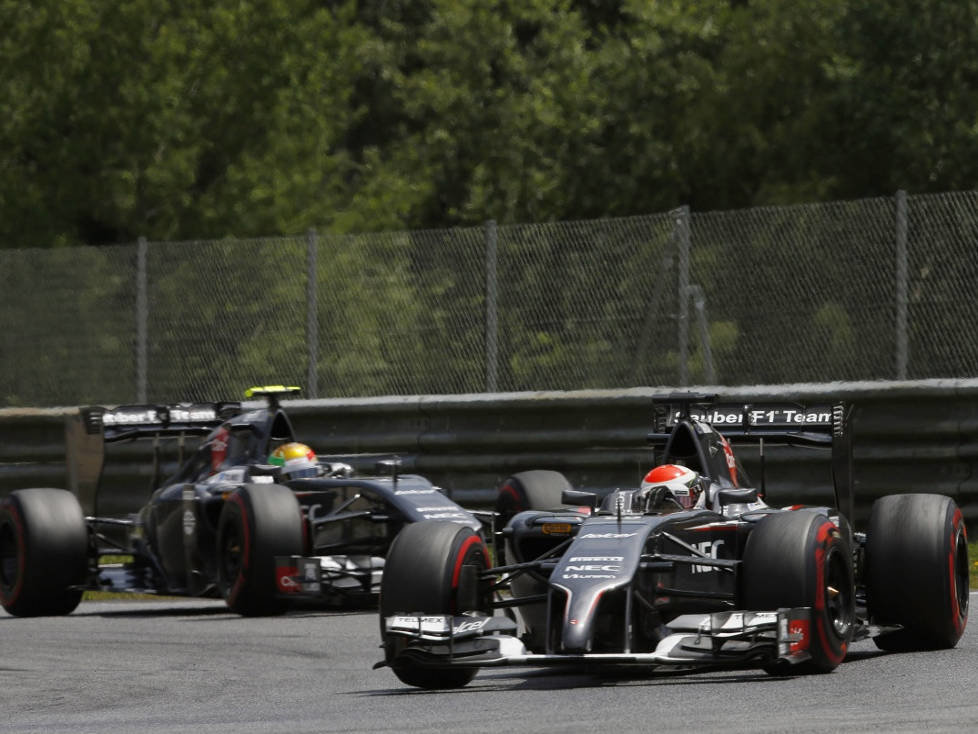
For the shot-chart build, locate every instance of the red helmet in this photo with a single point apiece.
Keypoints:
(683, 483)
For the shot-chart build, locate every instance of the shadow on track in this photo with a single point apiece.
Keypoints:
(570, 678)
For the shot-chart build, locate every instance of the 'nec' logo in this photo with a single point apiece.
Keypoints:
(709, 549)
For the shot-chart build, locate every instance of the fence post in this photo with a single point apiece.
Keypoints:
(901, 285)
(492, 317)
(142, 320)
(699, 303)
(312, 315)
(682, 240)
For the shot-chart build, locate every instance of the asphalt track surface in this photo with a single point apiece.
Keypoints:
(190, 666)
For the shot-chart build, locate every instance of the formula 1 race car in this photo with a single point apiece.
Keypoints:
(228, 523)
(639, 579)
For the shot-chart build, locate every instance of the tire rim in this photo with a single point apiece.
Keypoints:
(962, 581)
(231, 555)
(839, 594)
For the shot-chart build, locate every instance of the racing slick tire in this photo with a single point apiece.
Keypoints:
(801, 559)
(537, 489)
(43, 552)
(917, 571)
(257, 523)
(432, 568)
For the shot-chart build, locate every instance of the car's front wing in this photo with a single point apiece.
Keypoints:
(710, 640)
(314, 577)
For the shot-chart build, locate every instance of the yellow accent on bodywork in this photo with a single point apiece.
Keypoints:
(271, 390)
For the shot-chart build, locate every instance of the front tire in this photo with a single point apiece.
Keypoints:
(43, 552)
(801, 559)
(257, 523)
(432, 568)
(917, 571)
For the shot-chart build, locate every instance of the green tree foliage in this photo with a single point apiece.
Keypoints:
(903, 107)
(236, 119)
(171, 120)
(256, 117)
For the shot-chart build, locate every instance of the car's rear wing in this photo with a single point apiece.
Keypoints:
(149, 421)
(87, 433)
(782, 422)
(819, 425)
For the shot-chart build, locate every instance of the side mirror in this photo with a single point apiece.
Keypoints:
(337, 469)
(579, 498)
(388, 467)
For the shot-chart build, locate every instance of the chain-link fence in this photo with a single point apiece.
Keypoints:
(860, 290)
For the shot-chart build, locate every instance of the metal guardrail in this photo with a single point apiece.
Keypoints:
(908, 436)
(32, 447)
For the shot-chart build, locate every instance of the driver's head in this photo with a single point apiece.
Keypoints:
(682, 483)
(296, 460)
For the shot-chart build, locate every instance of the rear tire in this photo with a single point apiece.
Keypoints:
(432, 568)
(537, 489)
(917, 571)
(257, 523)
(43, 552)
(801, 559)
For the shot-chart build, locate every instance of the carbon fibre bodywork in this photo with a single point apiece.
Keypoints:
(344, 522)
(733, 582)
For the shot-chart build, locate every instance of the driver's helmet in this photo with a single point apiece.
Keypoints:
(296, 460)
(682, 483)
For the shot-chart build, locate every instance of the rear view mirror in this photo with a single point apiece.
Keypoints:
(579, 498)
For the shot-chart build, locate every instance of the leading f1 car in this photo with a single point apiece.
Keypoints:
(692, 570)
(251, 515)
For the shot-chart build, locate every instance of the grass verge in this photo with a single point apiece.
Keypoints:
(112, 595)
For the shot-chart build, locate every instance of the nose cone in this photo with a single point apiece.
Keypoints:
(578, 632)
(604, 556)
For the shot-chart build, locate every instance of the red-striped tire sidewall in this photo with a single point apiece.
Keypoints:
(831, 649)
(785, 564)
(958, 543)
(52, 549)
(11, 519)
(917, 571)
(238, 509)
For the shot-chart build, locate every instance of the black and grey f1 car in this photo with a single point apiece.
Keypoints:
(228, 523)
(633, 579)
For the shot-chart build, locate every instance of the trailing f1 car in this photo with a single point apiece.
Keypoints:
(704, 577)
(251, 516)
